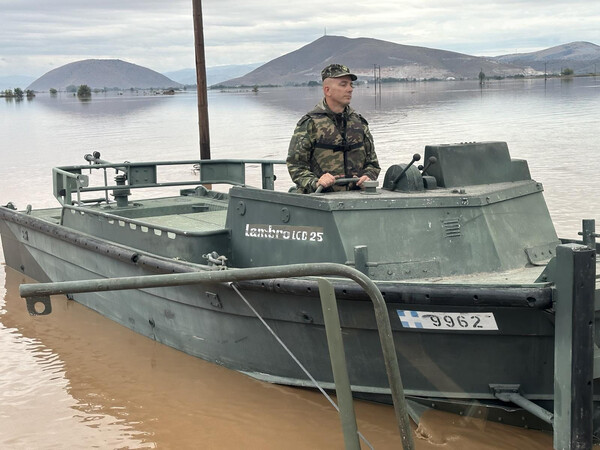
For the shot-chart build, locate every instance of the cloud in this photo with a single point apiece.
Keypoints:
(38, 36)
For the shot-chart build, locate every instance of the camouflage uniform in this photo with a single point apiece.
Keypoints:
(324, 141)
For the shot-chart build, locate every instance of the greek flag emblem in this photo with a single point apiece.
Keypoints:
(410, 319)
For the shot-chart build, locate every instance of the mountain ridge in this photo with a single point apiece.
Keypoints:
(361, 54)
(301, 66)
(398, 61)
(214, 74)
(101, 73)
(580, 56)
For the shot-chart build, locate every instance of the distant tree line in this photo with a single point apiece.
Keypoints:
(17, 93)
(82, 91)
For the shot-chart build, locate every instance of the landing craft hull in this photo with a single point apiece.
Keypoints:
(212, 322)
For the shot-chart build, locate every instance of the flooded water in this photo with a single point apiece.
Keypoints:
(77, 380)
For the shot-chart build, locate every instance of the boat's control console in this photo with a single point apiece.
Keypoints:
(452, 165)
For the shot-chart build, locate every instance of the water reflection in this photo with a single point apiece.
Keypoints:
(37, 409)
(108, 104)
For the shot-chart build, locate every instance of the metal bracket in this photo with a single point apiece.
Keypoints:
(33, 301)
(541, 254)
(214, 299)
(510, 393)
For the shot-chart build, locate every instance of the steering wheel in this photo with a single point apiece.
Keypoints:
(339, 182)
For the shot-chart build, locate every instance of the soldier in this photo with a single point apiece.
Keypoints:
(332, 140)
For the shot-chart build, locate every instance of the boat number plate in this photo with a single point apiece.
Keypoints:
(430, 320)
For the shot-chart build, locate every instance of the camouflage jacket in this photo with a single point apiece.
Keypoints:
(323, 141)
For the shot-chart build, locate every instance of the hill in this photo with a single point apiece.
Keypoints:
(100, 73)
(582, 57)
(214, 74)
(360, 54)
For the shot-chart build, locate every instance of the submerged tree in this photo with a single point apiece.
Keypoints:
(566, 72)
(84, 91)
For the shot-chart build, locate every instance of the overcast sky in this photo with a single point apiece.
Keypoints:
(39, 35)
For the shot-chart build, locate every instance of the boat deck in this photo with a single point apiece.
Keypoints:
(184, 221)
(51, 215)
(522, 276)
(197, 221)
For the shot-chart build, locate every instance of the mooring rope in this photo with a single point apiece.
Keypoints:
(315, 382)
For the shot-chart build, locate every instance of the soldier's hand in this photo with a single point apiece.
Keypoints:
(362, 180)
(327, 180)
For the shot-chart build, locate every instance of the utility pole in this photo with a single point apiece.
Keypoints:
(201, 80)
(375, 78)
(377, 81)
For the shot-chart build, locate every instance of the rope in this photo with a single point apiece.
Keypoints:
(289, 352)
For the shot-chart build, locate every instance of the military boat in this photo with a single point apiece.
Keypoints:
(462, 249)
(463, 283)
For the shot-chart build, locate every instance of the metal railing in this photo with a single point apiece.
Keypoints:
(39, 293)
(69, 181)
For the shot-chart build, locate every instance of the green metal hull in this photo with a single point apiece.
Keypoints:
(213, 323)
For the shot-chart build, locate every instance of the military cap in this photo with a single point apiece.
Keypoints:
(336, 71)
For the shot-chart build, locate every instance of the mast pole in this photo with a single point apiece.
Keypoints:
(201, 80)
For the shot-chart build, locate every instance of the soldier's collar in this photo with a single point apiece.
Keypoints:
(346, 112)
